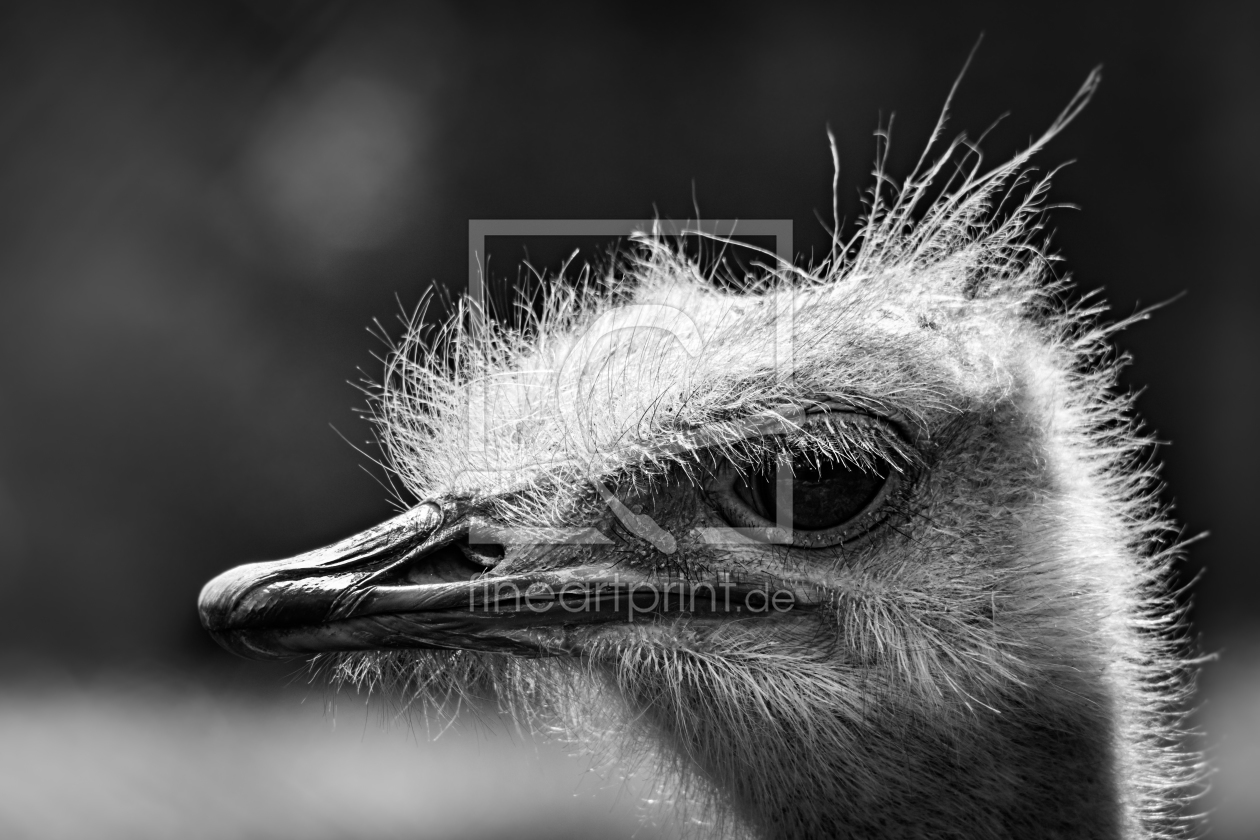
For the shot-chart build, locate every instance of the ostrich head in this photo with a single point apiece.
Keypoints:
(868, 549)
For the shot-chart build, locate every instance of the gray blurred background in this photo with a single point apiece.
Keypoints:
(204, 205)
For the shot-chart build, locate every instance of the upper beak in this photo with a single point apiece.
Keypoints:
(413, 581)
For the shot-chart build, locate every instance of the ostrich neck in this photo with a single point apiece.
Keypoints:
(1035, 769)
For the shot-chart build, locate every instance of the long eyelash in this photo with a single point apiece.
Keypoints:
(868, 445)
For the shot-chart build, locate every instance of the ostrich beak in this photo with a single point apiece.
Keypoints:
(416, 581)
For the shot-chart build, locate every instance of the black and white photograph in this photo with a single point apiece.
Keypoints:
(489, 421)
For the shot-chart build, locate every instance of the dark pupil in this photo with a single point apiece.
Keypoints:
(825, 494)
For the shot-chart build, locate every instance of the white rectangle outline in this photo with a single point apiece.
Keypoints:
(780, 229)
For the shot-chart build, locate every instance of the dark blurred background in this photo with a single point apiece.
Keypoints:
(204, 206)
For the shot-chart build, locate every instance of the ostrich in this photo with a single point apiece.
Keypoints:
(867, 550)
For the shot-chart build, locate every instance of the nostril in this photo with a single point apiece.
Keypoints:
(485, 554)
(452, 563)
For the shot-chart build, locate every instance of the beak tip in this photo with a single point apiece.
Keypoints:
(217, 598)
(215, 607)
(276, 609)
(209, 606)
(218, 608)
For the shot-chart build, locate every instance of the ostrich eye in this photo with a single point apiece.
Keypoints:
(812, 494)
(811, 499)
